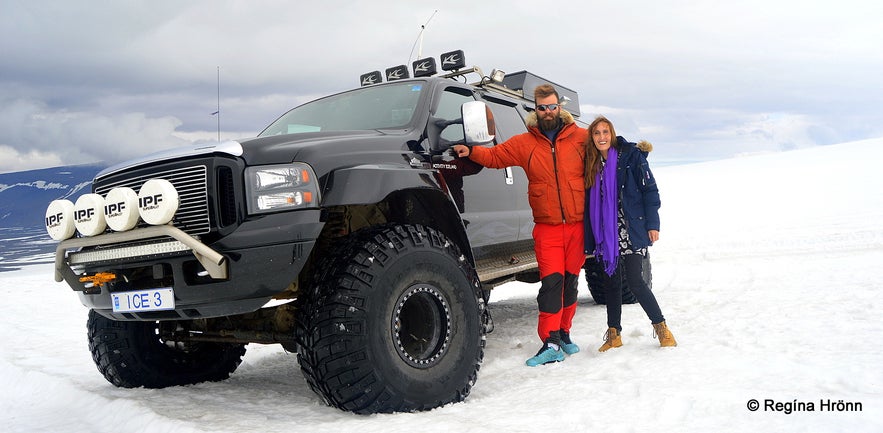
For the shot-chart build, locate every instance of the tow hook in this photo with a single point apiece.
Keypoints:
(99, 279)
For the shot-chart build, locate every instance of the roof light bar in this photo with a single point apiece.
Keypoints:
(425, 67)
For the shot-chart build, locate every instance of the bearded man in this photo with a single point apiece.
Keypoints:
(552, 154)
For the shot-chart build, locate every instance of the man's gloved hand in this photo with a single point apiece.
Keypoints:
(461, 150)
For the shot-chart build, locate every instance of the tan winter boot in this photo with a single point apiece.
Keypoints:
(612, 339)
(661, 331)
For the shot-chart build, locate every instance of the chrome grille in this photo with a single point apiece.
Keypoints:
(190, 182)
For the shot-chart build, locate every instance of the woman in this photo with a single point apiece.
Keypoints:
(622, 221)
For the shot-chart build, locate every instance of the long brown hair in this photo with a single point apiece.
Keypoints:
(593, 155)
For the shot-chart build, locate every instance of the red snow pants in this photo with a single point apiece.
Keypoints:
(560, 255)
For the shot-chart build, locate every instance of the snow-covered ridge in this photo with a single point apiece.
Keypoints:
(39, 184)
(25, 195)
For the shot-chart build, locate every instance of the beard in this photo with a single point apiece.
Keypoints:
(548, 124)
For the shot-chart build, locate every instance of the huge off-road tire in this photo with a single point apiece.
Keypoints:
(594, 270)
(393, 322)
(133, 354)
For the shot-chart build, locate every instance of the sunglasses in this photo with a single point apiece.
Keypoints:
(549, 107)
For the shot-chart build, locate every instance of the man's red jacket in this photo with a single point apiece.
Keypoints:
(556, 187)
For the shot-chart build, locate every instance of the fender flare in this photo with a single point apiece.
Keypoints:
(376, 183)
(372, 183)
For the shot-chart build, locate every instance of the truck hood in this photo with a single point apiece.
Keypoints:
(313, 146)
(272, 150)
(233, 148)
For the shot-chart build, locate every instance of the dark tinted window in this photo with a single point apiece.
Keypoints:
(377, 107)
(507, 119)
(448, 108)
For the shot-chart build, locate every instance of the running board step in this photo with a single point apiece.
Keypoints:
(505, 265)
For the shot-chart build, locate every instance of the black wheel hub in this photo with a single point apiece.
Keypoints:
(421, 326)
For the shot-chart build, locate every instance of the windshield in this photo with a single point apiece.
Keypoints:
(381, 107)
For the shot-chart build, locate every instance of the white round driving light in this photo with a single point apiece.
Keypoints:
(60, 219)
(89, 215)
(121, 209)
(157, 201)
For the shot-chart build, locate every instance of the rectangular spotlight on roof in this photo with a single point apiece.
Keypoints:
(397, 73)
(424, 67)
(370, 78)
(453, 60)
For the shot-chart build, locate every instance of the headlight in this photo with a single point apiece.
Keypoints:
(280, 187)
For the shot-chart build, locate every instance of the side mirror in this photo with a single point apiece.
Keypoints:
(478, 123)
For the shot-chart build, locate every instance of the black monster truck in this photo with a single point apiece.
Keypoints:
(345, 231)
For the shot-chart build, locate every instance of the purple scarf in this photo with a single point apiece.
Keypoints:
(602, 214)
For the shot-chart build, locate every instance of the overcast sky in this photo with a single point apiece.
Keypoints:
(87, 81)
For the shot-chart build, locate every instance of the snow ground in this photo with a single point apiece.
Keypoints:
(767, 272)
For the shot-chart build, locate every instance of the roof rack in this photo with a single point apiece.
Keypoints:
(519, 84)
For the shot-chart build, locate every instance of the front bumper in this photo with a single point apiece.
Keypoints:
(237, 274)
(213, 262)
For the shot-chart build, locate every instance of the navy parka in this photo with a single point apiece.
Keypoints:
(638, 196)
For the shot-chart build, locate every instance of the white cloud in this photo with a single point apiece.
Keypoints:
(698, 74)
(38, 133)
(13, 160)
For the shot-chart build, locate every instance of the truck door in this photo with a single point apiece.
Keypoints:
(487, 198)
(510, 123)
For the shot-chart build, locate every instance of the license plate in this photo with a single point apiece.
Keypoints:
(143, 300)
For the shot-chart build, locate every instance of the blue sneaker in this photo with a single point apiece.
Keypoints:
(546, 355)
(569, 347)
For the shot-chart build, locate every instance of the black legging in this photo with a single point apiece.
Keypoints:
(632, 265)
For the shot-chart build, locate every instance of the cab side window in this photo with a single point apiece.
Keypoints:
(508, 121)
(449, 109)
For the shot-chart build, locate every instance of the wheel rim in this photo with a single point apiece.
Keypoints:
(421, 326)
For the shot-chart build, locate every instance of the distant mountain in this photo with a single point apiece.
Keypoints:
(24, 195)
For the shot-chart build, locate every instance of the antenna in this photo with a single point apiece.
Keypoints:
(218, 112)
(219, 104)
(420, 38)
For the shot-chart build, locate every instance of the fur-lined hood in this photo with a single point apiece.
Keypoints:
(644, 146)
(564, 115)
